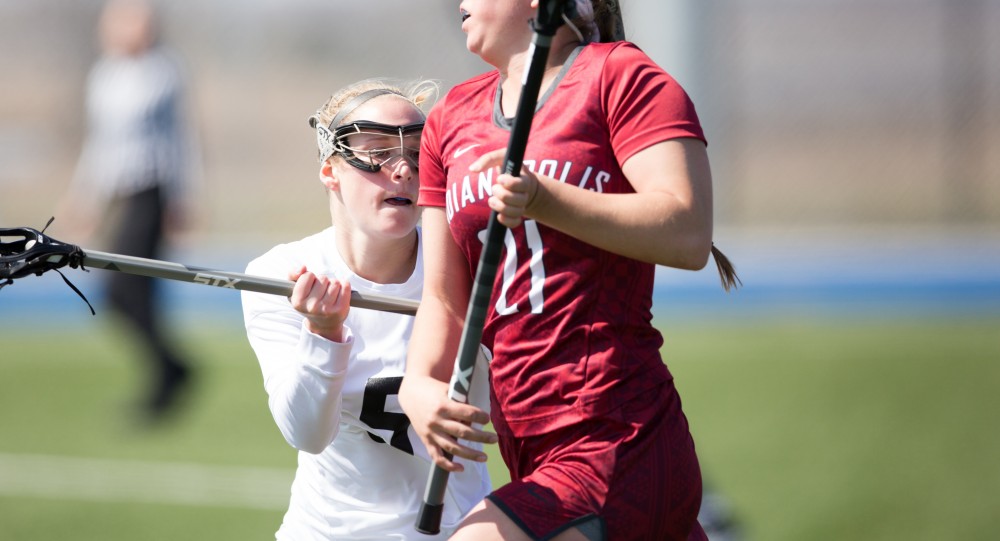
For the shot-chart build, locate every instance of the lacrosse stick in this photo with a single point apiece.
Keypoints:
(25, 251)
(549, 20)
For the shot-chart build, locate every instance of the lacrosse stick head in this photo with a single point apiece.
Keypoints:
(25, 251)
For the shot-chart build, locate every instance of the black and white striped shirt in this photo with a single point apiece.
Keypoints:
(136, 133)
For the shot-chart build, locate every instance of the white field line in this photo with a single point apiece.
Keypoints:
(71, 478)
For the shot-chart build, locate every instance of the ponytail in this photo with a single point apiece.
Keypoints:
(727, 273)
(608, 16)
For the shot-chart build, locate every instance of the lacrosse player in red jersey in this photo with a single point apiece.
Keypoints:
(331, 372)
(615, 181)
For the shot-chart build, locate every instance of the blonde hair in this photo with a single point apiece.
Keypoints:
(421, 93)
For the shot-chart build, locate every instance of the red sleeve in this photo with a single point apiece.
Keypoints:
(433, 176)
(644, 104)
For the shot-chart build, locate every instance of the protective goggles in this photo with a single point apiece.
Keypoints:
(369, 145)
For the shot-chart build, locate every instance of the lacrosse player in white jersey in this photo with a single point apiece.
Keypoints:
(332, 372)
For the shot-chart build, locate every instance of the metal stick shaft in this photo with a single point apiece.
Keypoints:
(231, 280)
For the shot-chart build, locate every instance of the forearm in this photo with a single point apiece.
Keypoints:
(438, 324)
(656, 227)
(445, 426)
(303, 373)
(304, 391)
(434, 342)
(666, 219)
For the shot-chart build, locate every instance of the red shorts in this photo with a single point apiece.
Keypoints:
(635, 470)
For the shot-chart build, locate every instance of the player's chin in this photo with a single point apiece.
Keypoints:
(472, 44)
(400, 217)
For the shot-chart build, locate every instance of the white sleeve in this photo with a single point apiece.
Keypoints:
(303, 373)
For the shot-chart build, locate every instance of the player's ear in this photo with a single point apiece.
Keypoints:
(328, 175)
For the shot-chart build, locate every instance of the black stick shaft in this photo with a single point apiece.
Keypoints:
(231, 280)
(549, 20)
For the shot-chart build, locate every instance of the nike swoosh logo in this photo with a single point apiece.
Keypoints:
(459, 152)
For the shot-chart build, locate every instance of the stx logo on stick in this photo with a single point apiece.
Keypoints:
(218, 281)
(461, 382)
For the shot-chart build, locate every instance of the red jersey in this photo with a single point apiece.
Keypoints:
(569, 324)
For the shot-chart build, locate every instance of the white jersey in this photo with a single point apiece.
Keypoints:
(362, 469)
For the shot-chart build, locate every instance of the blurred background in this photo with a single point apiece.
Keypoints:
(843, 135)
(845, 392)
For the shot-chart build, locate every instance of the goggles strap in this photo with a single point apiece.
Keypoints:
(325, 138)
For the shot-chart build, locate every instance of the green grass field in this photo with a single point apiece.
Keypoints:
(815, 430)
